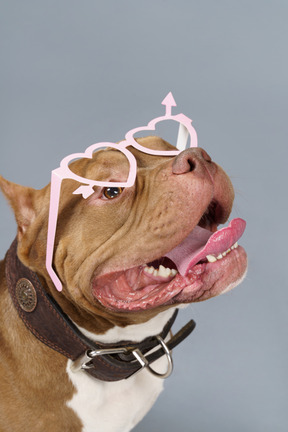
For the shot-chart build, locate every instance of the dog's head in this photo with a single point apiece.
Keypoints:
(124, 254)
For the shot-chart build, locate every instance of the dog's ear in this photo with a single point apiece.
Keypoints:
(22, 201)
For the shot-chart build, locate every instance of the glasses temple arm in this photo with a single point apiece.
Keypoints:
(56, 181)
(182, 138)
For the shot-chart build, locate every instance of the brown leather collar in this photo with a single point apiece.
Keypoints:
(45, 319)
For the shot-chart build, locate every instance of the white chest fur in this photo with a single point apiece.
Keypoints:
(120, 405)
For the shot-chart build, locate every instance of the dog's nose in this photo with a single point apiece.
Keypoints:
(189, 160)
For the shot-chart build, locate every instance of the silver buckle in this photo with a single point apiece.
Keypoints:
(85, 361)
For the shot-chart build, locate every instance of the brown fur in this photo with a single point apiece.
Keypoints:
(92, 238)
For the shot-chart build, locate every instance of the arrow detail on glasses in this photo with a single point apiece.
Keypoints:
(84, 190)
(169, 101)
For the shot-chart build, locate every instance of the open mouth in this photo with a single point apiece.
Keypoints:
(205, 264)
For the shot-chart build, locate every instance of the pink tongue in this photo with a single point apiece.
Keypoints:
(201, 242)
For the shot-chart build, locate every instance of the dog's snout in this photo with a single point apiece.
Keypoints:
(189, 160)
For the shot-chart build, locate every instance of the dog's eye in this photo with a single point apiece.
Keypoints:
(112, 192)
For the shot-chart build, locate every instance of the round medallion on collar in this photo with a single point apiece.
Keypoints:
(26, 295)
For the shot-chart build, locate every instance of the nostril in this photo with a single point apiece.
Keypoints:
(184, 163)
(190, 160)
(192, 164)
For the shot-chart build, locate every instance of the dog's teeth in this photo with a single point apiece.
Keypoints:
(164, 272)
(211, 258)
(149, 269)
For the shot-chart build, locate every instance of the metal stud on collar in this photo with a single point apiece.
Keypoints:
(26, 295)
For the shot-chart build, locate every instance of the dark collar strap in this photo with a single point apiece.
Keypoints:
(45, 319)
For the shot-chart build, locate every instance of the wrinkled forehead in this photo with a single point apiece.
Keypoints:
(110, 163)
(152, 143)
(104, 163)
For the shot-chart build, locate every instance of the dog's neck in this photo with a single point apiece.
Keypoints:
(45, 319)
(135, 332)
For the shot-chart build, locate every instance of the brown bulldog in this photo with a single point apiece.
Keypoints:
(126, 258)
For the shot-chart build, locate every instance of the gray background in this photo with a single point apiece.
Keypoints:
(77, 72)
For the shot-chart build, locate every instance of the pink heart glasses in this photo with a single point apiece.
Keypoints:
(86, 189)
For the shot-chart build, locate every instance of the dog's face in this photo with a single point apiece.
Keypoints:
(109, 247)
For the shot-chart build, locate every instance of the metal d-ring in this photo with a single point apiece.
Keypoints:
(145, 364)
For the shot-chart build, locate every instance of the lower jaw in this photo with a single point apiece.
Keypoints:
(202, 282)
(218, 280)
